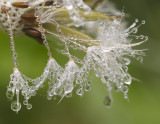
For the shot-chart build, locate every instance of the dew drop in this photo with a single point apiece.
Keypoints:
(87, 87)
(106, 78)
(141, 37)
(33, 93)
(125, 96)
(16, 106)
(115, 87)
(80, 92)
(126, 61)
(137, 37)
(10, 94)
(27, 96)
(68, 88)
(143, 22)
(125, 89)
(125, 68)
(140, 59)
(107, 101)
(136, 20)
(88, 82)
(49, 97)
(41, 86)
(18, 86)
(70, 7)
(134, 30)
(50, 93)
(69, 95)
(58, 91)
(128, 79)
(54, 98)
(11, 85)
(25, 102)
(29, 106)
(146, 38)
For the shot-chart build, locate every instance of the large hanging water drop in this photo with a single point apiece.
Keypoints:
(107, 101)
(16, 106)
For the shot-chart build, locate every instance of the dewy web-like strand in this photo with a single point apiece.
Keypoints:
(105, 52)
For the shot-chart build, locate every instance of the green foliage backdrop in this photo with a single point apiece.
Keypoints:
(144, 98)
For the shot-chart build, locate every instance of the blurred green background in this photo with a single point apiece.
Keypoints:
(143, 106)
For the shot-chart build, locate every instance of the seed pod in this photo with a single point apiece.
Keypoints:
(20, 4)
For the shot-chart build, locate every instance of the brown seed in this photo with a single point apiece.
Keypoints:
(32, 32)
(48, 3)
(35, 34)
(29, 16)
(20, 4)
(29, 19)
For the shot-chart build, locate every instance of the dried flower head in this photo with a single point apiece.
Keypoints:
(103, 39)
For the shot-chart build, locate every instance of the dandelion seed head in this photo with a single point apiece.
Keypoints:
(105, 42)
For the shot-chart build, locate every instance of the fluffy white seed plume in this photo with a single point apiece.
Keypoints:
(55, 74)
(16, 86)
(73, 7)
(110, 59)
(66, 81)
